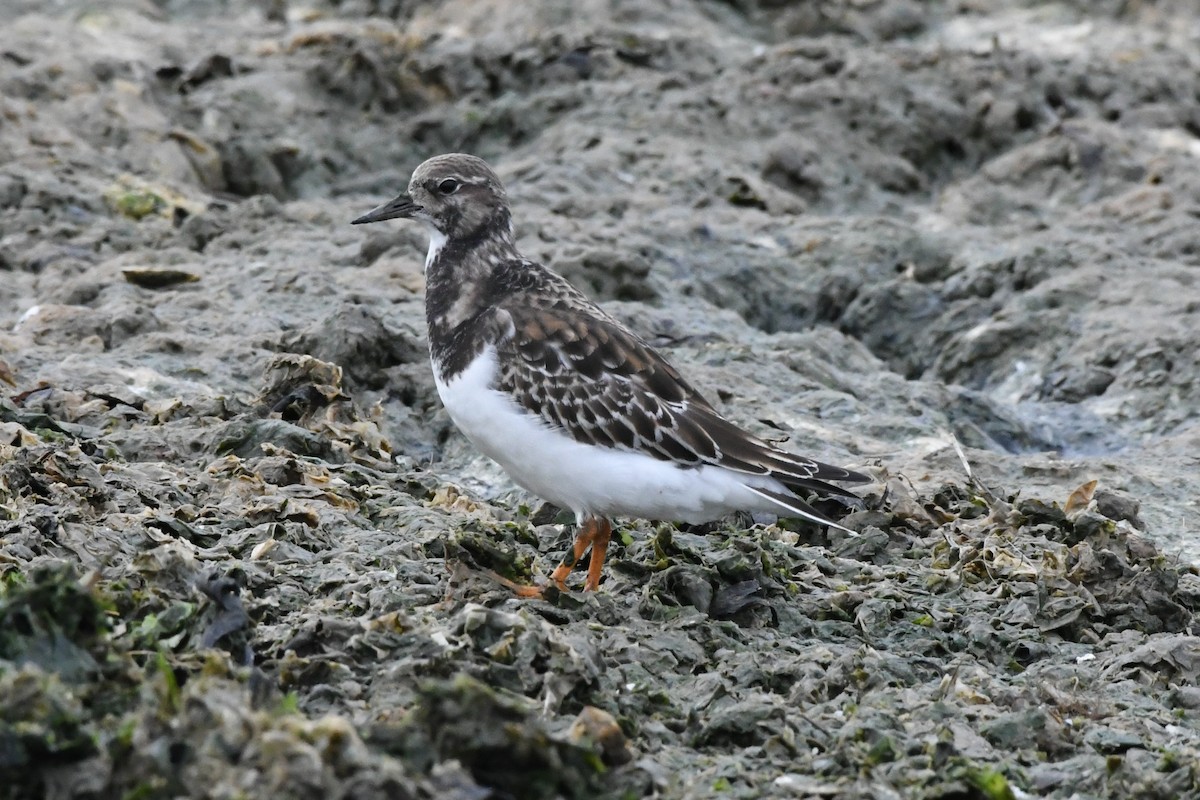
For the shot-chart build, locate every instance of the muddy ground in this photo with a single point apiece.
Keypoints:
(243, 549)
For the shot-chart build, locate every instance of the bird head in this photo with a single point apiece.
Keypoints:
(457, 195)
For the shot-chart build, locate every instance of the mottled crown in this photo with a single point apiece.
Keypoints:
(464, 167)
(461, 197)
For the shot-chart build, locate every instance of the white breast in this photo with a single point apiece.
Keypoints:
(584, 478)
(437, 240)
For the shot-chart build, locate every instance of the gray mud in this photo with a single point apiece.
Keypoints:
(243, 549)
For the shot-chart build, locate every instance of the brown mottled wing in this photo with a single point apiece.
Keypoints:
(586, 374)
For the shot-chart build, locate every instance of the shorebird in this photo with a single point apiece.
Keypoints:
(576, 408)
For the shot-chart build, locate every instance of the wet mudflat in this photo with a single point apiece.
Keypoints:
(243, 551)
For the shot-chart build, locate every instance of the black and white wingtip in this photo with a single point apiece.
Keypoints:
(793, 506)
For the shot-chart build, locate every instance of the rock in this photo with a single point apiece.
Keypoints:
(951, 245)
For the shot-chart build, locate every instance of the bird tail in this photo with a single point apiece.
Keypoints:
(795, 507)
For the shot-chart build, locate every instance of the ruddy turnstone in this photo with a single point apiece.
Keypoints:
(575, 407)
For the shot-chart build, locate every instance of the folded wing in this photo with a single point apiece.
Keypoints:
(602, 384)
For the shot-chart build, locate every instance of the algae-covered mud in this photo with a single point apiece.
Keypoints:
(243, 553)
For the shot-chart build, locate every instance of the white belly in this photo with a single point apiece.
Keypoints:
(586, 479)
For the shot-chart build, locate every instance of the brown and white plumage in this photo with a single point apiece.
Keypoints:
(576, 407)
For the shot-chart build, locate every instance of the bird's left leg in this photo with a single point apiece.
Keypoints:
(588, 531)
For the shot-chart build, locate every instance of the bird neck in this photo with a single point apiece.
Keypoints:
(458, 285)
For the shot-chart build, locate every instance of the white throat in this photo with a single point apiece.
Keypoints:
(437, 240)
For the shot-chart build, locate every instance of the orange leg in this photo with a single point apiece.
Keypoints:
(595, 533)
(599, 550)
(583, 540)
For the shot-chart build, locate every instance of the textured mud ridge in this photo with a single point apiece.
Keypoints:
(243, 552)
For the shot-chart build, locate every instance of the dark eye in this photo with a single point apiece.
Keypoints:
(448, 186)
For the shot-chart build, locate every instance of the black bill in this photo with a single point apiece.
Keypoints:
(402, 206)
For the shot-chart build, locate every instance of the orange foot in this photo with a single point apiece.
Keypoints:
(519, 589)
(595, 532)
